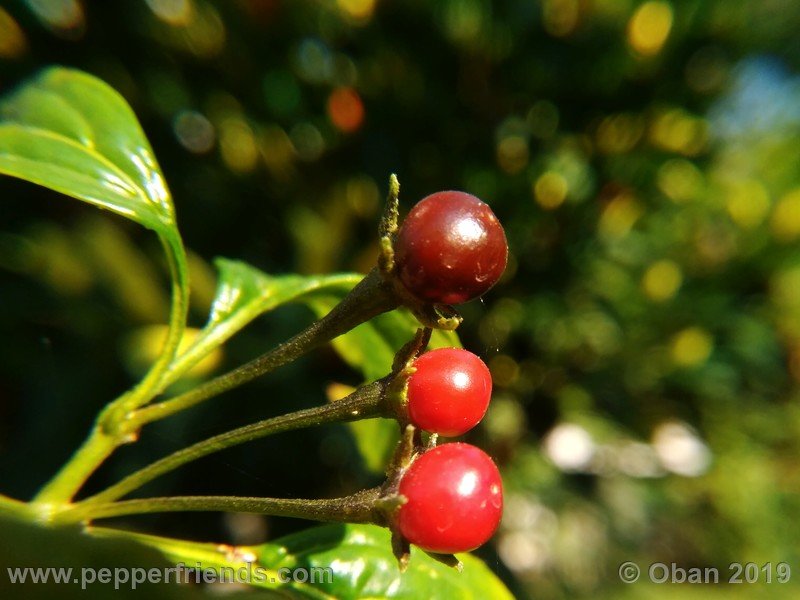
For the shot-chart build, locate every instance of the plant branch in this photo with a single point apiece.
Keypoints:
(97, 447)
(357, 508)
(108, 432)
(149, 386)
(14, 508)
(371, 297)
(365, 402)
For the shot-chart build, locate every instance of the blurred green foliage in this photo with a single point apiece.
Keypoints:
(645, 342)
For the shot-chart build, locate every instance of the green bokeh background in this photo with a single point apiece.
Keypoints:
(645, 341)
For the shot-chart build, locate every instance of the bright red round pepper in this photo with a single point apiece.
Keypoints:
(449, 391)
(454, 499)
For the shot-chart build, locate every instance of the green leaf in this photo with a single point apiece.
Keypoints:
(71, 132)
(375, 440)
(28, 545)
(243, 293)
(361, 560)
(364, 566)
(370, 348)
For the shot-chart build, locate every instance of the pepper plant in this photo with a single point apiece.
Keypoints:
(70, 132)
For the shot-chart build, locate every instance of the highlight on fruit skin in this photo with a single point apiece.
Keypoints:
(450, 249)
(454, 499)
(448, 392)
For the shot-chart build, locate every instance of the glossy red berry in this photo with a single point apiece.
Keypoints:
(449, 392)
(454, 499)
(450, 248)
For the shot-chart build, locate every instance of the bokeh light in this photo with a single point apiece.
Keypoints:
(345, 109)
(649, 27)
(13, 43)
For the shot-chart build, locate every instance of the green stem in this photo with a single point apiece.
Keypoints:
(357, 508)
(149, 386)
(110, 431)
(367, 401)
(14, 508)
(371, 297)
(215, 334)
(97, 447)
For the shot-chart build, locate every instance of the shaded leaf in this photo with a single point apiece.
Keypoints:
(361, 560)
(375, 440)
(370, 347)
(71, 132)
(29, 545)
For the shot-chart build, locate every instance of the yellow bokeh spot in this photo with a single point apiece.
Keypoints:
(277, 152)
(512, 154)
(238, 145)
(747, 203)
(204, 33)
(550, 190)
(336, 391)
(785, 288)
(677, 131)
(619, 133)
(661, 280)
(12, 38)
(560, 16)
(619, 216)
(177, 13)
(143, 347)
(649, 27)
(504, 369)
(465, 20)
(59, 14)
(57, 261)
(691, 347)
(794, 363)
(357, 9)
(785, 221)
(363, 196)
(680, 180)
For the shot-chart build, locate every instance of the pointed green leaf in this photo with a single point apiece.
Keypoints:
(243, 293)
(359, 556)
(370, 347)
(71, 132)
(364, 566)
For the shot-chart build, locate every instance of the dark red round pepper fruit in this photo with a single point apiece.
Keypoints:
(450, 248)
(449, 391)
(454, 499)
